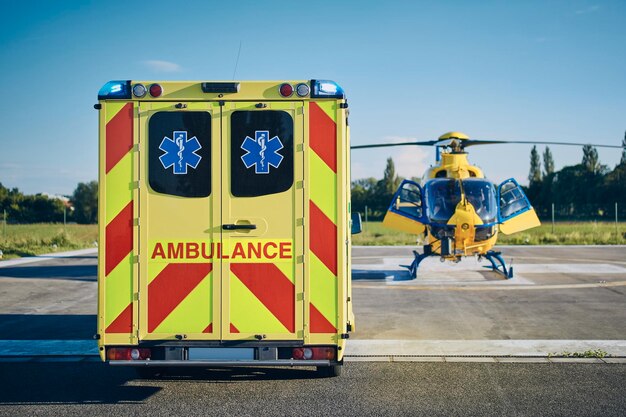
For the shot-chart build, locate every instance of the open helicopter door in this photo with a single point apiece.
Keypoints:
(516, 213)
(406, 211)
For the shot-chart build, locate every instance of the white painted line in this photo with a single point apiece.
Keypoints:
(48, 347)
(48, 256)
(543, 348)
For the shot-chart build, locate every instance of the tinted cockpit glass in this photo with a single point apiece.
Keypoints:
(443, 195)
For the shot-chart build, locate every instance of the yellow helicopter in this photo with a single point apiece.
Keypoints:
(458, 210)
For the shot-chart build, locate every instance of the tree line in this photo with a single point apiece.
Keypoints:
(80, 207)
(587, 190)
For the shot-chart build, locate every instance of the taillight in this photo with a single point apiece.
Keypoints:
(128, 354)
(314, 353)
(156, 90)
(286, 90)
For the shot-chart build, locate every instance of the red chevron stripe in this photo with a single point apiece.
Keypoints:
(319, 323)
(118, 238)
(323, 136)
(323, 238)
(233, 329)
(209, 329)
(122, 323)
(272, 288)
(119, 136)
(170, 287)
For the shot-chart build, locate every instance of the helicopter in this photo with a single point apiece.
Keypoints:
(458, 211)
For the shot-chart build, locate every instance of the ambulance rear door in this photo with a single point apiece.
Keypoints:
(262, 220)
(179, 224)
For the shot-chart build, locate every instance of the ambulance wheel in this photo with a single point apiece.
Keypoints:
(329, 371)
(149, 372)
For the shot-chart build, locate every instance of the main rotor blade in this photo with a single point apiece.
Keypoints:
(472, 142)
(386, 145)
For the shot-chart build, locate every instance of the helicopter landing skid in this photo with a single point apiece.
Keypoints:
(419, 257)
(500, 265)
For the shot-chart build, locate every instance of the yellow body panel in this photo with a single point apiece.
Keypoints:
(524, 221)
(171, 232)
(401, 223)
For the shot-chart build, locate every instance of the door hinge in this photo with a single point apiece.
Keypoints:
(300, 221)
(136, 296)
(300, 147)
(300, 185)
(136, 222)
(135, 185)
(300, 334)
(300, 259)
(300, 296)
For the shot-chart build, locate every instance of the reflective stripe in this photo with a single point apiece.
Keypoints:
(170, 288)
(272, 288)
(323, 208)
(119, 136)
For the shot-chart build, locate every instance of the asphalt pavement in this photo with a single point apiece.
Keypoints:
(422, 347)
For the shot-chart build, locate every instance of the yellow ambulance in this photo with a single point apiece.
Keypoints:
(224, 223)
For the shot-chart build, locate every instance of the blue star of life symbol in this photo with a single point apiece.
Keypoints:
(262, 152)
(180, 152)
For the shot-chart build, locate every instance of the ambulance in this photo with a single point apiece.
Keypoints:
(224, 224)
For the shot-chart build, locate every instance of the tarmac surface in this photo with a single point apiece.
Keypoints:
(458, 340)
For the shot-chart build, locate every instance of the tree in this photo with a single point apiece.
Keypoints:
(390, 181)
(591, 162)
(85, 200)
(534, 176)
(623, 160)
(548, 163)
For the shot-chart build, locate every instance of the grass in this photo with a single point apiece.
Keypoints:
(564, 233)
(35, 239)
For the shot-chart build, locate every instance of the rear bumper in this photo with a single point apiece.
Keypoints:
(208, 363)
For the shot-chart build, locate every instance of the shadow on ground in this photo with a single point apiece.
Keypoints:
(47, 327)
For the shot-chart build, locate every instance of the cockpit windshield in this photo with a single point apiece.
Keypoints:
(443, 195)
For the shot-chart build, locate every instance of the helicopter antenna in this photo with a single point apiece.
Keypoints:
(237, 61)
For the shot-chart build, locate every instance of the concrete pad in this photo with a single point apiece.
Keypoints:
(448, 348)
(477, 359)
(576, 360)
(614, 360)
(418, 359)
(519, 359)
(48, 347)
(48, 256)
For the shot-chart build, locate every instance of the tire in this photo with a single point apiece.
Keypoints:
(329, 371)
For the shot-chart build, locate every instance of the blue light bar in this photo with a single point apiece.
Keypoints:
(326, 89)
(116, 90)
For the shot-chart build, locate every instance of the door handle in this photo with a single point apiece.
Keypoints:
(239, 226)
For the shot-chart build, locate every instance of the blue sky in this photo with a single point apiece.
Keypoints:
(412, 70)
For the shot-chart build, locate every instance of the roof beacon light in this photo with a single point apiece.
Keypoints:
(156, 90)
(326, 89)
(302, 90)
(286, 90)
(116, 90)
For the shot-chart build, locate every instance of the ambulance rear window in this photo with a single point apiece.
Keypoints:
(179, 153)
(261, 152)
